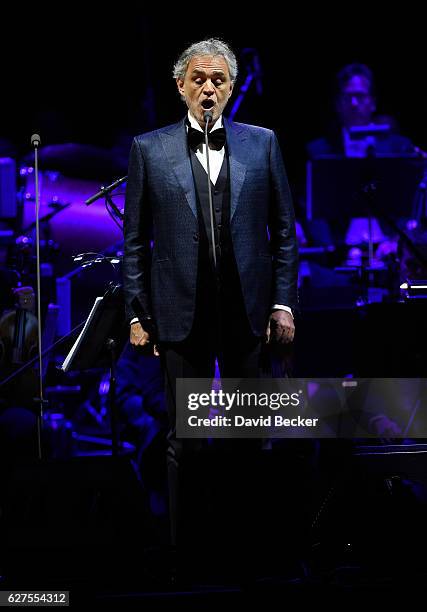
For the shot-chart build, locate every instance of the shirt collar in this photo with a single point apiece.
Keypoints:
(196, 126)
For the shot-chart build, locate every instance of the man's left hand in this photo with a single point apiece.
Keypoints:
(281, 327)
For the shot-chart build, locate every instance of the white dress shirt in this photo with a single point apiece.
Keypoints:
(215, 157)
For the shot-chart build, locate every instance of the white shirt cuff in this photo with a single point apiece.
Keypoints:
(281, 307)
(134, 320)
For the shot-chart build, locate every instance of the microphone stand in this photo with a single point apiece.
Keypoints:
(105, 192)
(254, 73)
(35, 141)
(208, 117)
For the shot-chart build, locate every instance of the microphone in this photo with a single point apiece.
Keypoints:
(207, 116)
(35, 140)
(105, 190)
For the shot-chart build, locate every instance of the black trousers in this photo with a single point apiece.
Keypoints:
(221, 331)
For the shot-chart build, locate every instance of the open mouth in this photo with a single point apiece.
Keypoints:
(208, 104)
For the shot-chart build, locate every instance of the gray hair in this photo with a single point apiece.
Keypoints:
(210, 46)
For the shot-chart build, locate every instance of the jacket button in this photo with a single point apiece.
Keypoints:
(196, 237)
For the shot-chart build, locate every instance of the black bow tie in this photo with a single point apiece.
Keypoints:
(196, 137)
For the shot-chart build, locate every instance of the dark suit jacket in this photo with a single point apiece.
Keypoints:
(161, 206)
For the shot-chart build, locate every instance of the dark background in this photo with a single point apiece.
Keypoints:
(98, 77)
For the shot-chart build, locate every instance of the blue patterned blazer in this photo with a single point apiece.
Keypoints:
(161, 210)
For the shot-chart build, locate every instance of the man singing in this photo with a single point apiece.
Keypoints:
(211, 290)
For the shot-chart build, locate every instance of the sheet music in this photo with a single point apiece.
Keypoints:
(77, 343)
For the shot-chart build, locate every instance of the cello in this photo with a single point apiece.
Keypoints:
(19, 346)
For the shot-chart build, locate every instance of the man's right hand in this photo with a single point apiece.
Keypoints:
(140, 337)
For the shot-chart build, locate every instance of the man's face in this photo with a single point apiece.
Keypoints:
(355, 104)
(206, 86)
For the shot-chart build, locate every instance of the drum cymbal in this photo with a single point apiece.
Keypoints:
(79, 160)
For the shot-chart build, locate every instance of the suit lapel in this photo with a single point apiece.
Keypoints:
(174, 142)
(238, 161)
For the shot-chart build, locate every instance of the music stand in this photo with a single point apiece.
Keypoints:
(100, 344)
(335, 184)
